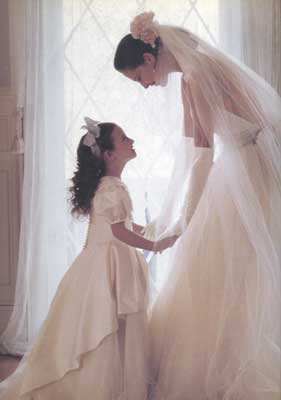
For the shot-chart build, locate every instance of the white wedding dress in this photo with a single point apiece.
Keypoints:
(215, 326)
(215, 329)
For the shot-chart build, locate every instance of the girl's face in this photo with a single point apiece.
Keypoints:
(123, 145)
(145, 73)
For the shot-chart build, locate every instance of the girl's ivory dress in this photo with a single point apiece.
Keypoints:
(93, 342)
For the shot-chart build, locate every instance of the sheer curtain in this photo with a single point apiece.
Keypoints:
(251, 31)
(42, 254)
(261, 32)
(69, 74)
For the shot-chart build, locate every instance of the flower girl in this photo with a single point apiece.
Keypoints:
(93, 344)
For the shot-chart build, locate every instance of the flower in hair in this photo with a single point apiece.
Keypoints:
(93, 133)
(143, 28)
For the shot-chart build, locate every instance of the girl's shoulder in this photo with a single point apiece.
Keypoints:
(111, 184)
(111, 193)
(113, 189)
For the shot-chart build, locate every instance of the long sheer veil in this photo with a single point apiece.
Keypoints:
(227, 91)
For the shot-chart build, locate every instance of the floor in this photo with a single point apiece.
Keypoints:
(7, 365)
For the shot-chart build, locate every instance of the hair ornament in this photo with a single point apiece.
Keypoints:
(93, 133)
(142, 27)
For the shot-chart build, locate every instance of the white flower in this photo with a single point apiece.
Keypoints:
(142, 27)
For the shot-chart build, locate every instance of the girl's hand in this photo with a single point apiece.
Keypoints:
(165, 243)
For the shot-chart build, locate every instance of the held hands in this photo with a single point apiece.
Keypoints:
(165, 243)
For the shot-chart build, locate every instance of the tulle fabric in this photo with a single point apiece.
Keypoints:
(93, 343)
(215, 326)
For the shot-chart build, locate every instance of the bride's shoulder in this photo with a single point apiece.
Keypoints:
(191, 83)
(205, 70)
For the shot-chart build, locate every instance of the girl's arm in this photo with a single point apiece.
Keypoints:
(132, 239)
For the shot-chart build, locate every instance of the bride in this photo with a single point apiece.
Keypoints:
(215, 326)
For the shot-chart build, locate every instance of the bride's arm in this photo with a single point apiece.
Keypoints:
(198, 113)
(198, 123)
(188, 126)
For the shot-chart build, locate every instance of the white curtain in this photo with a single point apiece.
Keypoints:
(42, 254)
(69, 74)
(251, 31)
(261, 32)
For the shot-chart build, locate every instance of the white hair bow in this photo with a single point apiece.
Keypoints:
(93, 133)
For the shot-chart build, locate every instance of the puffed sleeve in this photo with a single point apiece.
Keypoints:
(113, 202)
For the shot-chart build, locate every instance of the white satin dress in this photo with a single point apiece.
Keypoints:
(93, 342)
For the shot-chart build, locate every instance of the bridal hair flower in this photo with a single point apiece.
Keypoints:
(142, 27)
(93, 133)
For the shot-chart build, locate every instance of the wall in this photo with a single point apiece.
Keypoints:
(10, 167)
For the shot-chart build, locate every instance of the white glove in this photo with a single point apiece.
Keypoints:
(202, 159)
(199, 171)
(149, 231)
(177, 229)
(153, 230)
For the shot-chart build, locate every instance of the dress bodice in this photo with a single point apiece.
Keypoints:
(111, 204)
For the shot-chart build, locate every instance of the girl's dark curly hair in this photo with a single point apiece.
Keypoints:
(90, 170)
(130, 51)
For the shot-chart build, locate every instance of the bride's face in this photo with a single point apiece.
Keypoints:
(148, 73)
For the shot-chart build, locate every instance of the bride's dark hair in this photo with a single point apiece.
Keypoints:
(130, 51)
(90, 169)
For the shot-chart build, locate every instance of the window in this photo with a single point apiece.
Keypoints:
(92, 30)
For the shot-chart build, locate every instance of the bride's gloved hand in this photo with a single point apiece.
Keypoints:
(164, 243)
(152, 231)
(175, 230)
(149, 231)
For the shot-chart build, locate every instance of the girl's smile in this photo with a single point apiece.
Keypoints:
(123, 145)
